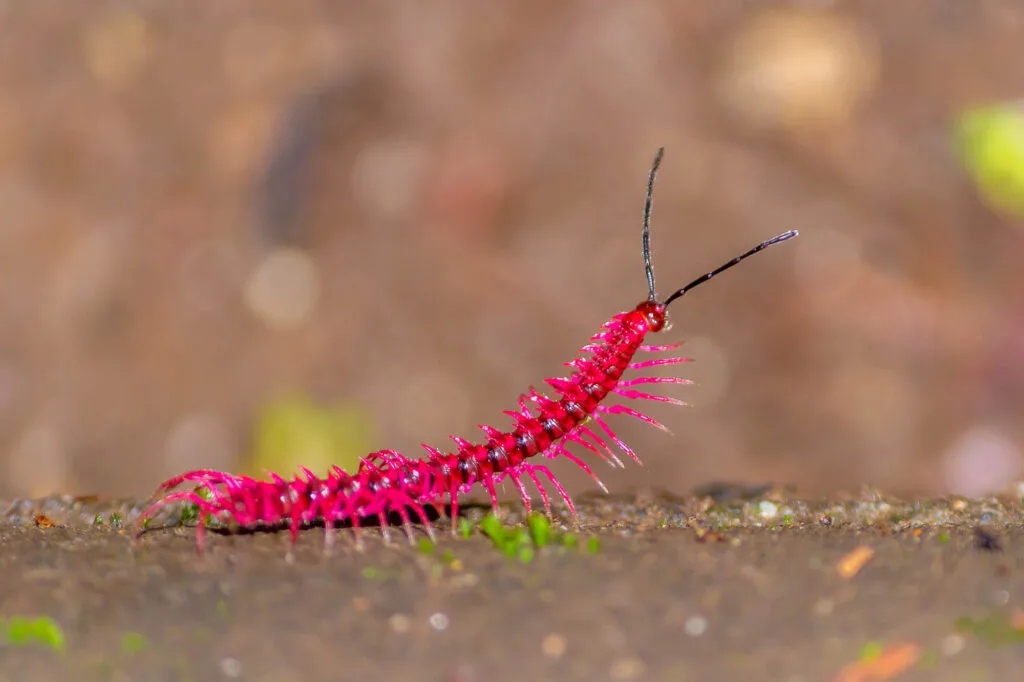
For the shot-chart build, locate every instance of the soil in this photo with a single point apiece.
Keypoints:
(739, 584)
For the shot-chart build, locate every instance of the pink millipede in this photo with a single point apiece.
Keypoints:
(388, 482)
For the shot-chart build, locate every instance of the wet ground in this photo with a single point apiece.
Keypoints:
(648, 588)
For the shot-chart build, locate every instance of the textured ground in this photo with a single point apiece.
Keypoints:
(763, 588)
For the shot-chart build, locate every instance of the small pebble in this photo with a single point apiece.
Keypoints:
(824, 607)
(952, 645)
(439, 621)
(231, 667)
(627, 669)
(399, 623)
(767, 509)
(695, 626)
(553, 645)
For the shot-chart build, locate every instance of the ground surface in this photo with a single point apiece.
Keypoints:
(762, 588)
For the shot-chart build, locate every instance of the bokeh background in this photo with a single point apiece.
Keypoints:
(383, 221)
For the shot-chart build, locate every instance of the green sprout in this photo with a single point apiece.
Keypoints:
(990, 141)
(523, 542)
(512, 541)
(426, 547)
(995, 629)
(871, 650)
(540, 529)
(21, 631)
(190, 511)
(133, 643)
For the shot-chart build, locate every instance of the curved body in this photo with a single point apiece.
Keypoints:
(387, 481)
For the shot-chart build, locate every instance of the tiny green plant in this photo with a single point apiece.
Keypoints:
(426, 547)
(990, 140)
(465, 528)
(22, 631)
(996, 629)
(190, 511)
(871, 650)
(540, 529)
(115, 520)
(523, 542)
(133, 643)
(512, 541)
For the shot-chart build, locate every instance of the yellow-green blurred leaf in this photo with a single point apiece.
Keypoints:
(990, 140)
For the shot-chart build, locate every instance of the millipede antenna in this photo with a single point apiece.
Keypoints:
(647, 224)
(703, 278)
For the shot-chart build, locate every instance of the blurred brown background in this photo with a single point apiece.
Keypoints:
(422, 211)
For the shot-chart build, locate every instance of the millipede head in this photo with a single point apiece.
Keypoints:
(654, 311)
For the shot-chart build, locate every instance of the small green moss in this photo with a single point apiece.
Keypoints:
(21, 631)
(371, 573)
(540, 529)
(492, 528)
(995, 629)
(929, 660)
(943, 537)
(593, 544)
(425, 546)
(787, 520)
(465, 528)
(871, 650)
(115, 520)
(133, 643)
(526, 554)
(97, 520)
(447, 557)
(570, 540)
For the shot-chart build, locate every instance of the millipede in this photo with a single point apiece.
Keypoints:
(387, 482)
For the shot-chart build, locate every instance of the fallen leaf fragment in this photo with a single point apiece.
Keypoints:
(894, 660)
(703, 535)
(43, 521)
(852, 562)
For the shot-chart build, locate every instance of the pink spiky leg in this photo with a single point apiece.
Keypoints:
(206, 510)
(532, 470)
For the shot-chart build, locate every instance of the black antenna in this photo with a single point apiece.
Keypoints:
(703, 278)
(647, 224)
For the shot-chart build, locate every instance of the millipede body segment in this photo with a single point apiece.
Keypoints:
(388, 482)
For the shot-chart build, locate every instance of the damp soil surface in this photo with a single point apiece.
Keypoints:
(752, 585)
